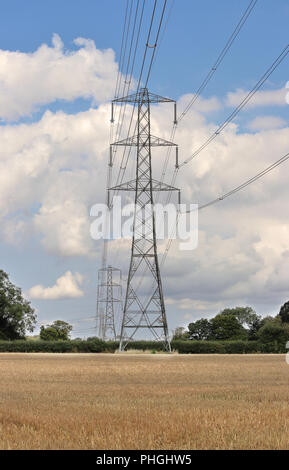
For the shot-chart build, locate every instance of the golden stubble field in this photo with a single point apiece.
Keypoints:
(143, 401)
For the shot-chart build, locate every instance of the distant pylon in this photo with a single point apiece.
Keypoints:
(148, 313)
(109, 302)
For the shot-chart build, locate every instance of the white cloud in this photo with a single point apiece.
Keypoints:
(66, 287)
(260, 98)
(52, 172)
(29, 80)
(228, 268)
(201, 104)
(266, 122)
(188, 303)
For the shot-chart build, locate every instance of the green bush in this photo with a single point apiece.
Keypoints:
(273, 347)
(93, 345)
(146, 345)
(3, 337)
(241, 347)
(198, 347)
(215, 347)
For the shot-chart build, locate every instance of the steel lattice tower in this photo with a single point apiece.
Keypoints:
(139, 314)
(108, 298)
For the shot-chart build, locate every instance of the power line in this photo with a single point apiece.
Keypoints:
(205, 82)
(85, 329)
(124, 39)
(228, 194)
(220, 58)
(231, 116)
(201, 88)
(138, 86)
(156, 42)
(120, 118)
(105, 245)
(71, 320)
(148, 73)
(127, 83)
(246, 183)
(243, 103)
(123, 167)
(165, 27)
(121, 50)
(265, 76)
(80, 319)
(147, 79)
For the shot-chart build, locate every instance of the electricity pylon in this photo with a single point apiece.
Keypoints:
(139, 314)
(109, 302)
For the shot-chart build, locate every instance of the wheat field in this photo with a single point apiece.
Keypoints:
(143, 401)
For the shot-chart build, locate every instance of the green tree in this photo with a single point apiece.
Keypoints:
(284, 313)
(200, 329)
(180, 333)
(58, 330)
(16, 313)
(226, 326)
(275, 333)
(247, 317)
(269, 319)
(254, 328)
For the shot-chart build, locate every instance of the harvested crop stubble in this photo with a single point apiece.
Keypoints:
(111, 401)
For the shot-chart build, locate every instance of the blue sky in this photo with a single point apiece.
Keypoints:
(195, 34)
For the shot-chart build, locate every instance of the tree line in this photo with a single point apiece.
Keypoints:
(239, 323)
(232, 329)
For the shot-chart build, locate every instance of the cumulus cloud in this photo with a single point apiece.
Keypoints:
(236, 262)
(29, 80)
(260, 98)
(188, 303)
(201, 104)
(266, 122)
(52, 172)
(66, 287)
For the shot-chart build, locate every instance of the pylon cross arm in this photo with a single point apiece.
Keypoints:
(143, 140)
(143, 97)
(132, 186)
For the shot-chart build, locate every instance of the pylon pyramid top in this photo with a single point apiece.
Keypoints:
(143, 96)
(142, 139)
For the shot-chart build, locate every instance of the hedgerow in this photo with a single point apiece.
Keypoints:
(95, 345)
(198, 347)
